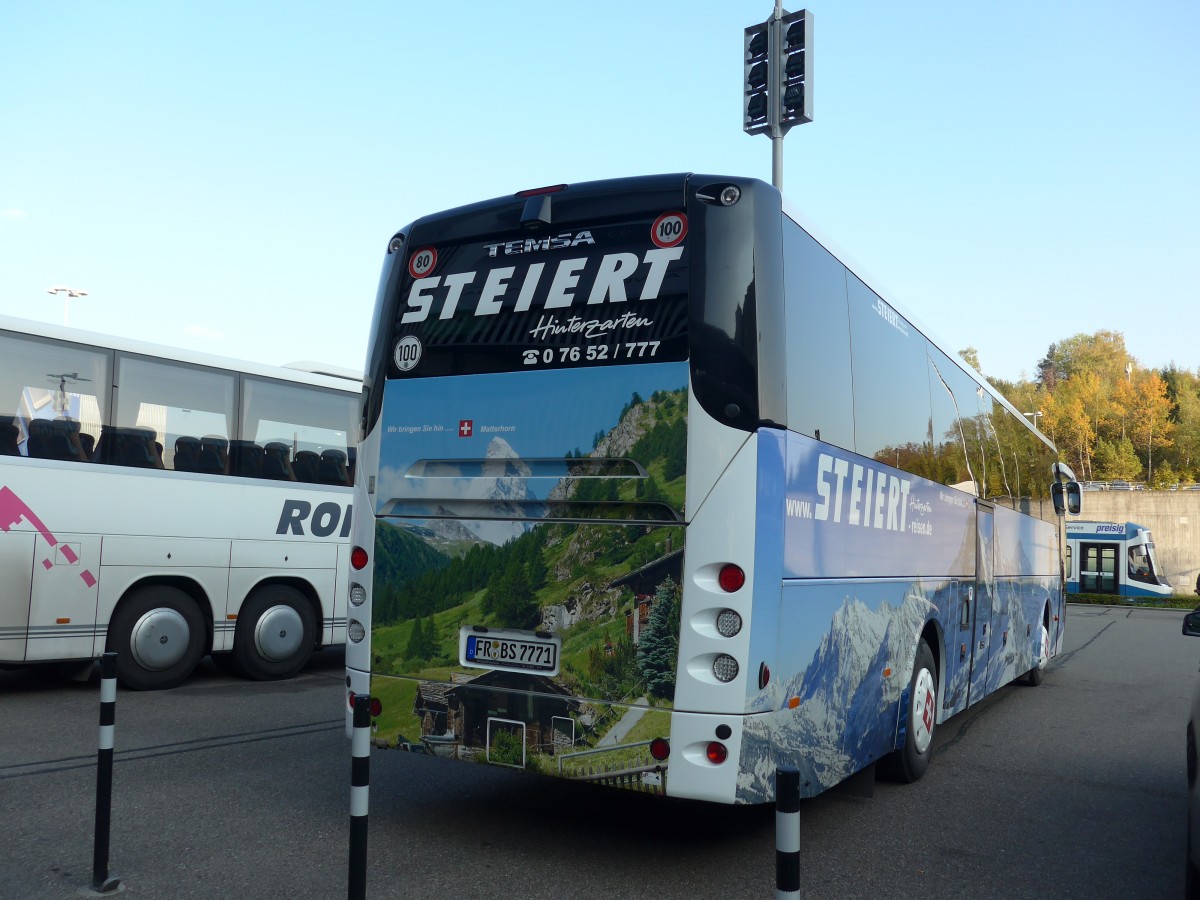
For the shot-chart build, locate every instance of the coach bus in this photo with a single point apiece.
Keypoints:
(166, 505)
(1113, 558)
(657, 492)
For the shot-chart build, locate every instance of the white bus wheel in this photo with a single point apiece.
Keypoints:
(158, 635)
(909, 762)
(275, 633)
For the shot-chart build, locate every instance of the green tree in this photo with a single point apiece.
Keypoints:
(658, 650)
(422, 641)
(1117, 461)
(511, 601)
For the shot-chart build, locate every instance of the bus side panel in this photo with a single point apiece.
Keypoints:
(253, 562)
(16, 562)
(844, 666)
(129, 561)
(1026, 587)
(861, 542)
(62, 609)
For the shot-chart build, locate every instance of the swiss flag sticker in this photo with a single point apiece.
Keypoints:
(465, 427)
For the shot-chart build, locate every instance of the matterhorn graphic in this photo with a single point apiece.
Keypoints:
(496, 500)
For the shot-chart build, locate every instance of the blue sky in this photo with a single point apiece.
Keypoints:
(225, 176)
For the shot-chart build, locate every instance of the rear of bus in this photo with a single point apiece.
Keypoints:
(558, 503)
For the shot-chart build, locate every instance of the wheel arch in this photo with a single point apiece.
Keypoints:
(306, 589)
(189, 586)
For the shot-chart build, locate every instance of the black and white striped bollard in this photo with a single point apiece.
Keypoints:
(360, 780)
(102, 882)
(787, 833)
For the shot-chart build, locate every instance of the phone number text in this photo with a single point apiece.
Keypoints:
(595, 353)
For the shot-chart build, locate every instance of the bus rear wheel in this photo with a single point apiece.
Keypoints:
(158, 635)
(1035, 675)
(275, 633)
(909, 762)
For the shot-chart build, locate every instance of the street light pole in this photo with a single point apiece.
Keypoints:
(67, 293)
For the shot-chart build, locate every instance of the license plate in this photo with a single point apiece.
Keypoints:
(515, 651)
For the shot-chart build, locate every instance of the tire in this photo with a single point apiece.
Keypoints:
(275, 633)
(908, 763)
(1037, 674)
(158, 634)
(1191, 874)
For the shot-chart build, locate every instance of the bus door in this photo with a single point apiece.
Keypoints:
(1098, 568)
(62, 605)
(985, 600)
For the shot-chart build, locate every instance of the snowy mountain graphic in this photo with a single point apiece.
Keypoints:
(845, 708)
(487, 503)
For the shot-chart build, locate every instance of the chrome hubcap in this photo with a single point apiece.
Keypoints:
(278, 633)
(159, 639)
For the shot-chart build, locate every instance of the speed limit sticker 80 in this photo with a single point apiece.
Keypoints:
(669, 229)
(422, 261)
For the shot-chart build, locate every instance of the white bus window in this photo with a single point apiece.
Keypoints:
(52, 398)
(170, 416)
(891, 389)
(296, 433)
(818, 328)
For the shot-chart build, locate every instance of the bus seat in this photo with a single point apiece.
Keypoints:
(55, 439)
(333, 468)
(275, 462)
(187, 452)
(88, 442)
(214, 455)
(134, 446)
(9, 433)
(306, 466)
(246, 457)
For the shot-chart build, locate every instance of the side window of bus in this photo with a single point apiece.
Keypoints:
(169, 416)
(296, 432)
(53, 397)
(891, 388)
(819, 393)
(956, 422)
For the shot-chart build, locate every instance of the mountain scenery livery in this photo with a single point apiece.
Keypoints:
(656, 492)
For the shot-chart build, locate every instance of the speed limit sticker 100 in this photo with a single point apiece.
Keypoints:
(669, 229)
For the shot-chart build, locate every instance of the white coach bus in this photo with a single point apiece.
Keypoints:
(657, 492)
(166, 505)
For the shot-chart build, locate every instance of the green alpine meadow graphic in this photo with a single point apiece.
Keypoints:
(527, 570)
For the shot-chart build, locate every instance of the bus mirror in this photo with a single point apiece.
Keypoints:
(1067, 497)
(1191, 623)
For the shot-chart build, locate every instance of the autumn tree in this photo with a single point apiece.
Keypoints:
(1183, 389)
(1070, 428)
(1150, 423)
